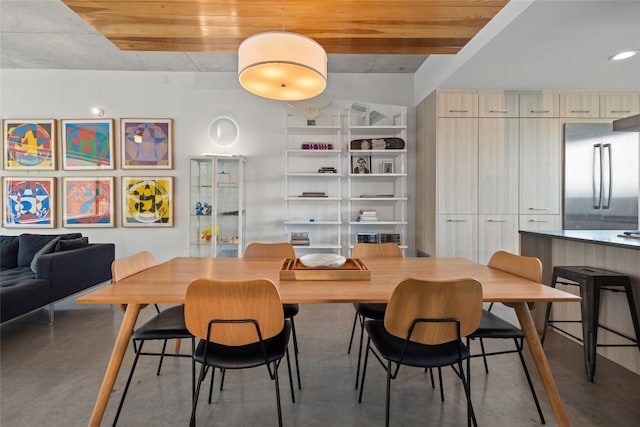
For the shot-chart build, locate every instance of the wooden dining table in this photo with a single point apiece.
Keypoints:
(167, 283)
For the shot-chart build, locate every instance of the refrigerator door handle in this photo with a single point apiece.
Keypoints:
(606, 177)
(597, 176)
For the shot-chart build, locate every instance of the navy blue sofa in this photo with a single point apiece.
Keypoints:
(37, 270)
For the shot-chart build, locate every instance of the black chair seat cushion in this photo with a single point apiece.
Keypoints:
(492, 326)
(371, 311)
(419, 355)
(290, 310)
(167, 324)
(244, 356)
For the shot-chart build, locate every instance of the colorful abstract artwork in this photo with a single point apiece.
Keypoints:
(87, 144)
(29, 202)
(29, 144)
(87, 202)
(147, 143)
(147, 201)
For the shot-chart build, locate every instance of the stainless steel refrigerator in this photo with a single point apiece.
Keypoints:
(600, 177)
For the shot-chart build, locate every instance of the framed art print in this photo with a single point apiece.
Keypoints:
(361, 164)
(29, 144)
(29, 202)
(146, 143)
(147, 201)
(87, 202)
(87, 144)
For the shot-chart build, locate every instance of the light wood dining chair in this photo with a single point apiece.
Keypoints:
(495, 327)
(369, 310)
(165, 325)
(279, 250)
(423, 326)
(241, 325)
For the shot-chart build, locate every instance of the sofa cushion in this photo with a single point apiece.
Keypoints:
(46, 249)
(68, 244)
(9, 251)
(21, 292)
(32, 243)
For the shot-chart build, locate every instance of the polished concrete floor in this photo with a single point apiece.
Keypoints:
(50, 376)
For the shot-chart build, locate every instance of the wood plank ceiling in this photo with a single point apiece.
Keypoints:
(340, 26)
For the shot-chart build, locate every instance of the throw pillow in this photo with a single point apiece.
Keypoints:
(9, 251)
(68, 244)
(46, 249)
(29, 245)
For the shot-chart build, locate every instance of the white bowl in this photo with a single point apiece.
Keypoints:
(323, 260)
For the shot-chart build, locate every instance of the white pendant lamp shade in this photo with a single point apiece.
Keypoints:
(283, 66)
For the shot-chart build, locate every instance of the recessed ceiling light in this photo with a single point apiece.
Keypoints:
(623, 55)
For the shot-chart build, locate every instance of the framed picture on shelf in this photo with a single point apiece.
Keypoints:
(87, 202)
(146, 143)
(386, 167)
(361, 164)
(29, 144)
(29, 202)
(87, 144)
(147, 201)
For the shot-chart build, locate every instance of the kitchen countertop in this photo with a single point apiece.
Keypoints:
(603, 237)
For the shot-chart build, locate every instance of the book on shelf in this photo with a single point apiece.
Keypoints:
(317, 146)
(327, 169)
(367, 237)
(371, 196)
(313, 194)
(367, 215)
(389, 238)
(299, 238)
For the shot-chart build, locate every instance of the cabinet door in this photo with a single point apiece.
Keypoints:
(540, 166)
(586, 105)
(498, 104)
(618, 105)
(456, 236)
(540, 222)
(457, 104)
(497, 233)
(457, 166)
(539, 105)
(498, 166)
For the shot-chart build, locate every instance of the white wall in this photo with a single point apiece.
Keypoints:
(193, 100)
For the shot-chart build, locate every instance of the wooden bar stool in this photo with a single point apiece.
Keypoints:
(591, 281)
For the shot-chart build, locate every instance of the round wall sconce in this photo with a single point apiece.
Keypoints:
(97, 111)
(223, 131)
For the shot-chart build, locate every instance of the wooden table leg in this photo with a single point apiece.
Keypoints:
(119, 349)
(531, 335)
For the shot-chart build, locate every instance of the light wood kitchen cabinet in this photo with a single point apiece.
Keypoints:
(584, 105)
(539, 104)
(457, 154)
(498, 104)
(457, 236)
(457, 104)
(497, 233)
(498, 166)
(540, 222)
(540, 166)
(619, 105)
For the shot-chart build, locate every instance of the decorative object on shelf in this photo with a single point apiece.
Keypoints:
(223, 131)
(29, 202)
(316, 146)
(361, 164)
(147, 201)
(87, 144)
(367, 215)
(146, 143)
(323, 260)
(392, 143)
(386, 167)
(29, 144)
(327, 169)
(282, 65)
(87, 202)
(311, 108)
(299, 238)
(206, 234)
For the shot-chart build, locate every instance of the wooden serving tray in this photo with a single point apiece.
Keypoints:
(353, 269)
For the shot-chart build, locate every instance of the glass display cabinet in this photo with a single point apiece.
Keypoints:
(217, 206)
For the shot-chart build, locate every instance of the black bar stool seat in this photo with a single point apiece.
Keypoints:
(591, 281)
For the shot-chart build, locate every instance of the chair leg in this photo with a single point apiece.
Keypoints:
(164, 347)
(295, 350)
(353, 330)
(388, 400)
(484, 356)
(126, 387)
(360, 351)
(293, 396)
(441, 386)
(526, 373)
(364, 369)
(471, 416)
(192, 422)
(275, 371)
(213, 372)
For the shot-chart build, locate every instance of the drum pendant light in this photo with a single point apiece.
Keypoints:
(282, 65)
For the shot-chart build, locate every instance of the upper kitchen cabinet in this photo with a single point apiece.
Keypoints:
(457, 104)
(539, 104)
(582, 105)
(498, 104)
(540, 166)
(618, 105)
